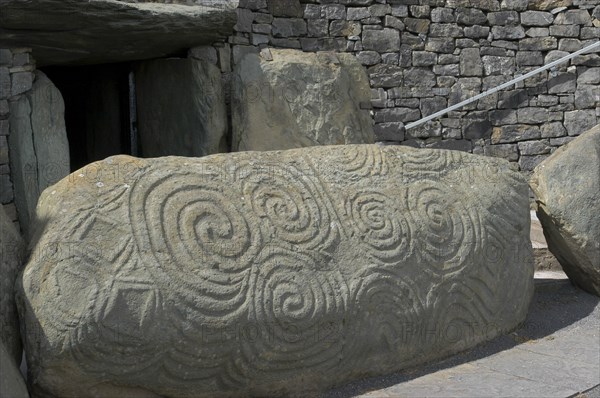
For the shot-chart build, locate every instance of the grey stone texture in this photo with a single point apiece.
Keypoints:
(504, 18)
(225, 265)
(538, 44)
(21, 82)
(534, 147)
(470, 62)
(508, 32)
(384, 40)
(470, 16)
(532, 115)
(390, 131)
(558, 356)
(299, 99)
(515, 133)
(567, 193)
(39, 145)
(414, 51)
(573, 17)
(549, 4)
(181, 108)
(289, 27)
(285, 8)
(67, 31)
(579, 121)
(536, 18)
(12, 250)
(12, 384)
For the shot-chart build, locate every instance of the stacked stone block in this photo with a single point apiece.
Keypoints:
(425, 55)
(16, 79)
(421, 56)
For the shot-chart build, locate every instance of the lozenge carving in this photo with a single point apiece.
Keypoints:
(271, 273)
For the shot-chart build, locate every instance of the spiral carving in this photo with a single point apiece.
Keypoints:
(385, 231)
(461, 316)
(448, 233)
(362, 161)
(300, 309)
(200, 240)
(386, 315)
(289, 202)
(418, 164)
(259, 273)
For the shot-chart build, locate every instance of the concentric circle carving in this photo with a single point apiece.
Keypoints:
(201, 241)
(448, 233)
(290, 202)
(298, 311)
(385, 230)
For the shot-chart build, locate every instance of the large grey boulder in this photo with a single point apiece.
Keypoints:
(270, 273)
(181, 108)
(567, 187)
(11, 380)
(11, 256)
(39, 149)
(103, 31)
(289, 99)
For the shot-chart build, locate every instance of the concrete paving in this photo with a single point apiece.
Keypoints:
(556, 353)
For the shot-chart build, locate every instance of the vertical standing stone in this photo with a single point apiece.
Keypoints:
(12, 384)
(299, 99)
(181, 108)
(38, 143)
(11, 257)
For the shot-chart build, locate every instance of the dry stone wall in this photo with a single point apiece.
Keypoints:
(421, 56)
(425, 55)
(16, 80)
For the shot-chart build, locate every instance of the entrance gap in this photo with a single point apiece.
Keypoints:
(97, 110)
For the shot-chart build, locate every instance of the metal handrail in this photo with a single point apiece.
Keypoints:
(502, 86)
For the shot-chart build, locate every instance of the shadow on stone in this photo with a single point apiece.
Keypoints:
(556, 304)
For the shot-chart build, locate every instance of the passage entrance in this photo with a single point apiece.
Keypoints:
(97, 110)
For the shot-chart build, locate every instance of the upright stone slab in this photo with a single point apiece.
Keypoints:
(39, 149)
(181, 108)
(567, 186)
(11, 380)
(11, 255)
(287, 99)
(271, 273)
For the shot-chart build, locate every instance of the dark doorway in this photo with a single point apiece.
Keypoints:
(97, 112)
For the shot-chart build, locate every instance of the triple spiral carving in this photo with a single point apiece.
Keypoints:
(186, 219)
(258, 249)
(385, 231)
(448, 232)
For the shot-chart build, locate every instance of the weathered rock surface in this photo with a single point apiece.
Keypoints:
(11, 255)
(103, 31)
(567, 186)
(181, 108)
(299, 99)
(265, 273)
(11, 380)
(39, 149)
